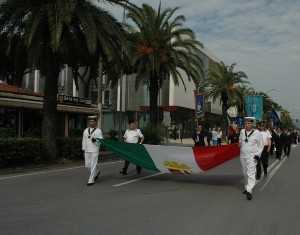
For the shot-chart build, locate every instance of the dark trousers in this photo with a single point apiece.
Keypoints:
(272, 149)
(278, 151)
(126, 165)
(219, 141)
(264, 161)
(287, 149)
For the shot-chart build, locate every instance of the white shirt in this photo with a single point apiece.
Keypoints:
(132, 136)
(266, 137)
(254, 146)
(219, 134)
(87, 144)
(214, 135)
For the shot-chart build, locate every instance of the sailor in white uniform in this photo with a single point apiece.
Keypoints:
(251, 144)
(91, 148)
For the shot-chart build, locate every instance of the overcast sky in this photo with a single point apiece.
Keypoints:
(261, 36)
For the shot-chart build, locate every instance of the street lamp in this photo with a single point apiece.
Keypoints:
(120, 85)
(274, 89)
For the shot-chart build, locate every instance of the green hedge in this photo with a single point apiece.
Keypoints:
(17, 152)
(20, 151)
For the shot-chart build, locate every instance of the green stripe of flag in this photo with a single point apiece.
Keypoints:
(135, 153)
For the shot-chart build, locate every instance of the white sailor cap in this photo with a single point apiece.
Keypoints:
(92, 117)
(251, 119)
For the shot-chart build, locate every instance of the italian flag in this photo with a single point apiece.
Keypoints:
(173, 159)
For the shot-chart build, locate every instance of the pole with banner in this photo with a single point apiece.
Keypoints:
(254, 107)
(199, 105)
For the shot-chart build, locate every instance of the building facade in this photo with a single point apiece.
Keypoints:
(21, 108)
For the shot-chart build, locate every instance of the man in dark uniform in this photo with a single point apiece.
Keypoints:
(198, 136)
(279, 143)
(287, 140)
(273, 133)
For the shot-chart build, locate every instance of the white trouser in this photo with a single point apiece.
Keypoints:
(91, 160)
(249, 171)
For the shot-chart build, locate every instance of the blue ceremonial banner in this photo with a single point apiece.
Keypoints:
(199, 101)
(254, 106)
(240, 121)
(275, 119)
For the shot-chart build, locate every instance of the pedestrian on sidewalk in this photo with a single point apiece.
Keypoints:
(134, 136)
(209, 136)
(175, 133)
(219, 136)
(91, 148)
(214, 137)
(198, 136)
(251, 144)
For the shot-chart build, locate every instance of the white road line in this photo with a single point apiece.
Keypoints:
(43, 172)
(135, 180)
(272, 173)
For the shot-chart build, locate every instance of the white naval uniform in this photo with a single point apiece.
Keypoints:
(91, 150)
(132, 136)
(253, 147)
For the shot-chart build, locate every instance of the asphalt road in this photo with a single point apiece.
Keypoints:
(57, 201)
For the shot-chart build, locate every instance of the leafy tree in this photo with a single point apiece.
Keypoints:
(238, 101)
(12, 62)
(53, 32)
(221, 84)
(162, 48)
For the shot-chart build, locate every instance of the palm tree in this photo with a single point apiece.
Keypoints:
(238, 101)
(52, 31)
(162, 48)
(221, 83)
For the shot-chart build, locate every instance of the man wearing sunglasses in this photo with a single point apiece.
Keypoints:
(251, 144)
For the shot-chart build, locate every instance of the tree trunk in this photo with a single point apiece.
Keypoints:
(49, 129)
(153, 91)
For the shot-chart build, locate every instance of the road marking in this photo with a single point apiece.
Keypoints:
(44, 172)
(135, 180)
(270, 175)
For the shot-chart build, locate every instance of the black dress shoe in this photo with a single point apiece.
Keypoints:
(249, 196)
(245, 192)
(89, 184)
(123, 172)
(266, 174)
(257, 177)
(96, 177)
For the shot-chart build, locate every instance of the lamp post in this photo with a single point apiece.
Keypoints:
(120, 87)
(273, 89)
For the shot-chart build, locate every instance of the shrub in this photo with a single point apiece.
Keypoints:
(7, 132)
(33, 132)
(20, 151)
(153, 134)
